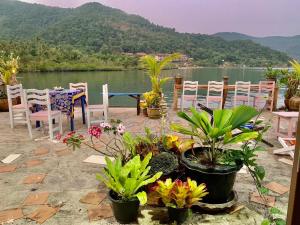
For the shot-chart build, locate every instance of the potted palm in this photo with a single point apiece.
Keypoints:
(8, 69)
(292, 81)
(214, 162)
(154, 68)
(179, 197)
(125, 183)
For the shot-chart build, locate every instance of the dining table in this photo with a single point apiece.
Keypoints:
(66, 100)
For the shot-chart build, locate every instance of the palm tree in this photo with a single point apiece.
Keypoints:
(154, 68)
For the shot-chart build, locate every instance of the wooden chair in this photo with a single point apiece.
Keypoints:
(215, 93)
(17, 112)
(242, 93)
(41, 99)
(189, 93)
(265, 94)
(81, 86)
(102, 109)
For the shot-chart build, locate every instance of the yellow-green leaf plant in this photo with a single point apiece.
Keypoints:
(154, 68)
(179, 194)
(128, 179)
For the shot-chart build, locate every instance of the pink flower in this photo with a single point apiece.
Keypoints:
(95, 131)
(58, 136)
(105, 125)
(121, 129)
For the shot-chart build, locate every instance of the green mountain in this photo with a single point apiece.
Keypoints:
(38, 32)
(289, 45)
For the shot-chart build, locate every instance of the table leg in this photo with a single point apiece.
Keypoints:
(290, 127)
(72, 122)
(138, 108)
(278, 126)
(83, 108)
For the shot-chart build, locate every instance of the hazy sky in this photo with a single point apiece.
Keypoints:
(254, 17)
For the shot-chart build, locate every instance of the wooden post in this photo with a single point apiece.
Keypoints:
(293, 217)
(275, 97)
(225, 90)
(175, 93)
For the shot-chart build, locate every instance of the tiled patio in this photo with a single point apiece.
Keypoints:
(51, 184)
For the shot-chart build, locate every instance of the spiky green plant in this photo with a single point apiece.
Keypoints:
(154, 68)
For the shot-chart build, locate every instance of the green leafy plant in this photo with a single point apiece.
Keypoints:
(152, 99)
(274, 217)
(180, 194)
(272, 73)
(8, 68)
(216, 136)
(128, 179)
(154, 68)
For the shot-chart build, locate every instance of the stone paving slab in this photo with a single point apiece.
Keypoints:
(36, 198)
(69, 178)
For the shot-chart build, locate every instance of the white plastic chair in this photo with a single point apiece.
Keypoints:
(242, 93)
(215, 93)
(102, 109)
(189, 93)
(265, 94)
(17, 113)
(42, 99)
(82, 86)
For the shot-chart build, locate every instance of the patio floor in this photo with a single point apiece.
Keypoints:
(48, 182)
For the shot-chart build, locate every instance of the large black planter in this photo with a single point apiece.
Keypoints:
(124, 211)
(178, 215)
(219, 179)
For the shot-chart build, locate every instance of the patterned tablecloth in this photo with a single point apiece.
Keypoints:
(64, 100)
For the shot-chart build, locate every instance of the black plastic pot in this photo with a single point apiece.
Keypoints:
(219, 179)
(125, 211)
(178, 215)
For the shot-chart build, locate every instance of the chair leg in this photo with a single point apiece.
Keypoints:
(29, 129)
(60, 125)
(51, 130)
(11, 116)
(88, 118)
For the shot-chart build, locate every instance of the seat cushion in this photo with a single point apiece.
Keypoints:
(43, 115)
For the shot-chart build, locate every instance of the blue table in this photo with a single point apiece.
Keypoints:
(135, 95)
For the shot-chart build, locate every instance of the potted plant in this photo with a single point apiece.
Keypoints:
(8, 69)
(154, 67)
(272, 74)
(179, 197)
(125, 183)
(152, 100)
(292, 81)
(214, 162)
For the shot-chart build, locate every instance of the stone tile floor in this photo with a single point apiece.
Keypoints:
(57, 179)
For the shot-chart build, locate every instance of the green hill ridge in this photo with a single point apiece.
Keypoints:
(97, 34)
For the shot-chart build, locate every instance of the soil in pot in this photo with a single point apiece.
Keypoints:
(178, 215)
(219, 179)
(125, 211)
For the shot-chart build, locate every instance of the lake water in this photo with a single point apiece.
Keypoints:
(134, 81)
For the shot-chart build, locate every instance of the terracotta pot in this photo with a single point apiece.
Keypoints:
(4, 104)
(294, 103)
(153, 113)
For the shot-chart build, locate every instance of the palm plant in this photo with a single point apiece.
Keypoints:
(8, 69)
(292, 80)
(215, 136)
(154, 68)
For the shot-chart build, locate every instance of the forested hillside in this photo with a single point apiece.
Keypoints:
(49, 37)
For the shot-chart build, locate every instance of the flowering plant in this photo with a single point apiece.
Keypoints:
(122, 144)
(179, 194)
(152, 99)
(177, 145)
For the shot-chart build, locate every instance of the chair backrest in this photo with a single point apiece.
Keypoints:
(81, 86)
(267, 87)
(190, 86)
(38, 97)
(242, 88)
(215, 88)
(13, 92)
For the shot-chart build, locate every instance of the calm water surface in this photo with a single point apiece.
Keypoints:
(133, 81)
